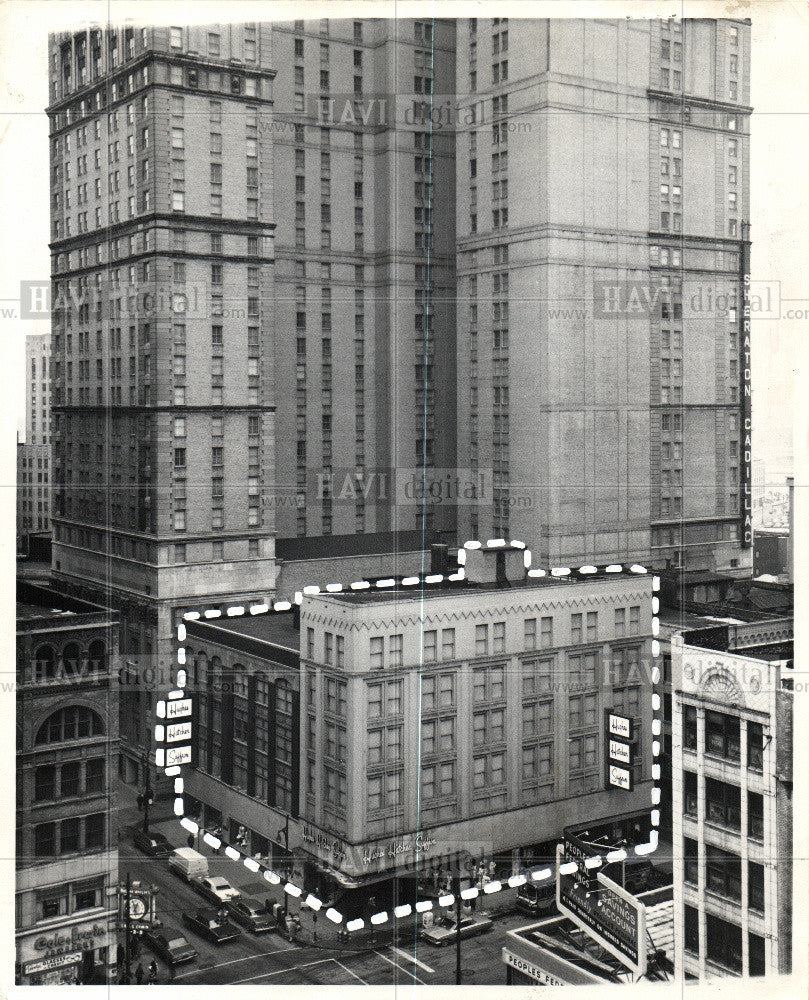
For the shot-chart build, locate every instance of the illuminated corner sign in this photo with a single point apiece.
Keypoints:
(55, 962)
(177, 755)
(620, 751)
(178, 731)
(619, 777)
(178, 708)
(619, 725)
(609, 914)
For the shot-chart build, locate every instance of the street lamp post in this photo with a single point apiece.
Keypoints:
(147, 797)
(287, 865)
(458, 921)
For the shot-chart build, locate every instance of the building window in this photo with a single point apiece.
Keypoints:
(723, 873)
(437, 692)
(70, 723)
(723, 804)
(448, 644)
(377, 652)
(755, 816)
(45, 840)
(395, 649)
(755, 746)
(757, 960)
(691, 861)
(722, 735)
(430, 647)
(691, 929)
(689, 727)
(481, 640)
(755, 886)
(488, 684)
(723, 943)
(45, 783)
(690, 794)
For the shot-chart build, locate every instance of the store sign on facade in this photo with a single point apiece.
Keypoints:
(55, 962)
(79, 937)
(370, 857)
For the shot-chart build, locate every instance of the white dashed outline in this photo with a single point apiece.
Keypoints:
(538, 876)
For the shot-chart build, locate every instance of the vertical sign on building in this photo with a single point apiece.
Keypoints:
(173, 732)
(745, 473)
(618, 756)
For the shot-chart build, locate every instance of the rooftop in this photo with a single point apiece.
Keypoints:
(38, 603)
(271, 635)
(770, 640)
(29, 612)
(465, 588)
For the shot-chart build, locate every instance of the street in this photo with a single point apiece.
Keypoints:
(393, 956)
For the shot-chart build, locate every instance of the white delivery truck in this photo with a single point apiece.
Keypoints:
(188, 863)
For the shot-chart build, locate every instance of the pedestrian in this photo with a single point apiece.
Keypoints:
(152, 973)
(492, 870)
(139, 974)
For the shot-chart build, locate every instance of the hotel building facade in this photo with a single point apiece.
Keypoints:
(606, 160)
(254, 275)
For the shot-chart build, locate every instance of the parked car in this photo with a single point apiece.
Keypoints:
(188, 863)
(152, 843)
(252, 915)
(445, 929)
(538, 900)
(215, 889)
(170, 945)
(208, 924)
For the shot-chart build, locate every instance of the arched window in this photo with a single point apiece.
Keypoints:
(70, 723)
(98, 656)
(71, 659)
(44, 663)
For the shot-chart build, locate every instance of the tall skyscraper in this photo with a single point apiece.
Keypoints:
(602, 193)
(364, 205)
(34, 455)
(162, 323)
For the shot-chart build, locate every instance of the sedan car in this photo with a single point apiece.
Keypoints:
(152, 843)
(170, 945)
(252, 915)
(445, 929)
(215, 889)
(208, 924)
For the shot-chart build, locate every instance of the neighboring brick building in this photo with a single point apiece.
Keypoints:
(732, 785)
(67, 755)
(34, 454)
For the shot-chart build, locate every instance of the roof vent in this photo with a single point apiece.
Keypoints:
(497, 566)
